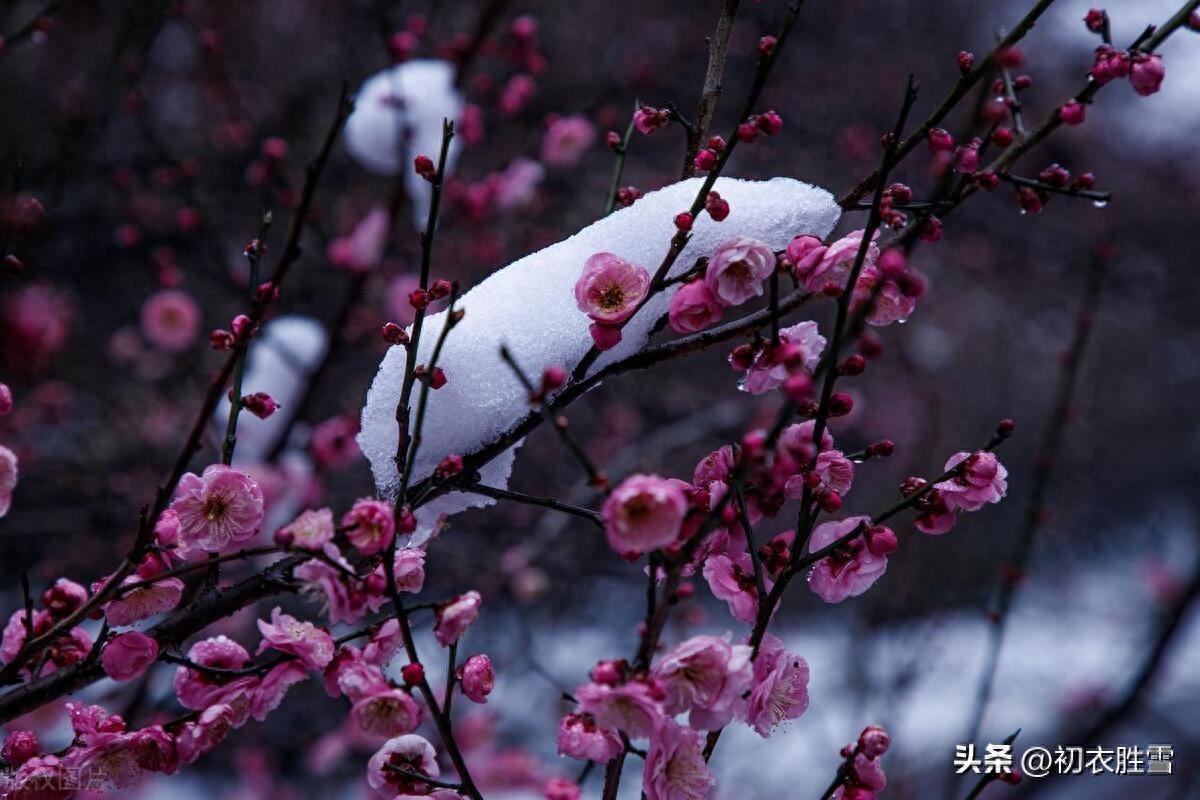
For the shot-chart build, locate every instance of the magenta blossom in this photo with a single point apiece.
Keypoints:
(218, 509)
(834, 473)
(409, 569)
(208, 730)
(693, 308)
(634, 708)
(983, 480)
(171, 320)
(610, 288)
(1147, 73)
(127, 655)
(371, 525)
(737, 269)
(805, 252)
(644, 513)
(707, 676)
(313, 646)
(19, 747)
(851, 569)
(455, 617)
(675, 765)
(580, 737)
(196, 689)
(136, 604)
(780, 690)
(477, 678)
(891, 303)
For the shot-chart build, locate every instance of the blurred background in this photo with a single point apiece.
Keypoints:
(154, 135)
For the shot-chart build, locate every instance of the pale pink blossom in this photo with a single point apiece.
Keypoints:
(800, 347)
(634, 708)
(218, 509)
(837, 261)
(780, 690)
(410, 753)
(409, 569)
(737, 269)
(478, 678)
(385, 713)
(171, 320)
(983, 480)
(566, 139)
(644, 512)
(312, 645)
(851, 569)
(8, 478)
(128, 655)
(562, 789)
(383, 644)
(362, 250)
(355, 677)
(371, 525)
(610, 288)
(333, 445)
(733, 582)
(693, 308)
(267, 696)
(675, 766)
(707, 676)
(312, 530)
(454, 617)
(516, 186)
(580, 737)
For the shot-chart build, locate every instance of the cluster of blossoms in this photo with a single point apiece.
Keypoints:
(860, 777)
(707, 678)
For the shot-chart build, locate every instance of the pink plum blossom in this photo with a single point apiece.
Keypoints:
(780, 687)
(733, 582)
(675, 766)
(935, 517)
(644, 512)
(195, 689)
(837, 261)
(136, 604)
(267, 696)
(371, 525)
(19, 747)
(218, 509)
(312, 530)
(1147, 73)
(352, 675)
(312, 645)
(40, 778)
(478, 678)
(693, 308)
(346, 600)
(410, 753)
(566, 139)
(805, 252)
(208, 730)
(737, 269)
(610, 288)
(891, 304)
(384, 644)
(580, 737)
(171, 320)
(634, 708)
(8, 478)
(455, 617)
(127, 655)
(362, 250)
(707, 676)
(851, 569)
(801, 347)
(409, 569)
(982, 481)
(386, 712)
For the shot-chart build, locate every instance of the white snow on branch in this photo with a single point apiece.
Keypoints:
(530, 307)
(397, 116)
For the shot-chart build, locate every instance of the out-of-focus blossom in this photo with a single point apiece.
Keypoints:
(580, 737)
(566, 139)
(455, 617)
(644, 513)
(171, 320)
(8, 478)
(634, 708)
(707, 676)
(362, 250)
(478, 678)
